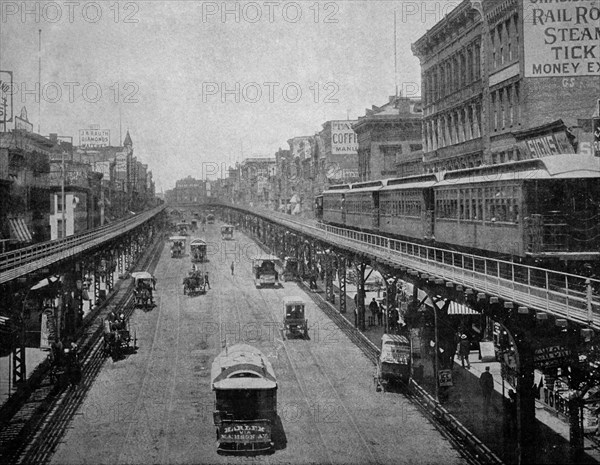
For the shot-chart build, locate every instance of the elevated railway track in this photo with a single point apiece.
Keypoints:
(564, 295)
(26, 260)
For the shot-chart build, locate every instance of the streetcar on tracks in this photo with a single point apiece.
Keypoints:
(143, 285)
(177, 246)
(226, 232)
(183, 228)
(394, 362)
(198, 250)
(264, 271)
(294, 318)
(245, 389)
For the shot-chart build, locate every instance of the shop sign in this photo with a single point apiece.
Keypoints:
(544, 145)
(445, 378)
(551, 357)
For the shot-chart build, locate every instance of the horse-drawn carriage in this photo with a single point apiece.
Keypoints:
(66, 366)
(294, 321)
(194, 283)
(177, 246)
(143, 286)
(198, 250)
(117, 336)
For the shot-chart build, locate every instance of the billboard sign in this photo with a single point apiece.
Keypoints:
(561, 38)
(344, 140)
(121, 162)
(6, 96)
(94, 138)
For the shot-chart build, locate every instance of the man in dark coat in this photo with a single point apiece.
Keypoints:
(464, 349)
(486, 382)
(374, 307)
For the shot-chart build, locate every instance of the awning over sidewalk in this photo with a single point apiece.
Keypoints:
(19, 230)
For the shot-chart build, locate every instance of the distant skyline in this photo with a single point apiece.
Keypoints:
(198, 87)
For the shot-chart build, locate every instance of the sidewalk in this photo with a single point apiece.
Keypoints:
(464, 401)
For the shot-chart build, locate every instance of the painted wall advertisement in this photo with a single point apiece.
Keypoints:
(6, 97)
(561, 39)
(344, 140)
(94, 138)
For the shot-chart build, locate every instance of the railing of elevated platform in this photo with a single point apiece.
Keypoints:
(561, 294)
(27, 259)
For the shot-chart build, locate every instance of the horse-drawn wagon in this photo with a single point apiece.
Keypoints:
(194, 283)
(143, 285)
(118, 337)
(227, 232)
(177, 246)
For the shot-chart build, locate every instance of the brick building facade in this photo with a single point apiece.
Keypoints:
(489, 89)
(389, 140)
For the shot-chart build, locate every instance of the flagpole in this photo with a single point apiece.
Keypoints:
(39, 80)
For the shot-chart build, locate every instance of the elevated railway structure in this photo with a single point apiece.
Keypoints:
(85, 264)
(550, 317)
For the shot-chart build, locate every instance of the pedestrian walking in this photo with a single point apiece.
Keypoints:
(206, 279)
(380, 314)
(232, 268)
(464, 349)
(486, 382)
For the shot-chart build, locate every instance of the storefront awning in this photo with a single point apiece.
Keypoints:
(19, 230)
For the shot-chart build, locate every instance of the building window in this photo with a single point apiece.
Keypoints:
(477, 60)
(59, 229)
(494, 112)
(517, 104)
(502, 109)
(509, 98)
(516, 36)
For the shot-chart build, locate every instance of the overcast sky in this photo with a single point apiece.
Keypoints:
(166, 67)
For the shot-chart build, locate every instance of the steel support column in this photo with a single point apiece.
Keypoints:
(19, 364)
(341, 269)
(360, 304)
(329, 257)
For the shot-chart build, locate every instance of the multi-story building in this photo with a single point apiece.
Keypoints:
(389, 140)
(190, 190)
(337, 153)
(255, 180)
(24, 188)
(509, 80)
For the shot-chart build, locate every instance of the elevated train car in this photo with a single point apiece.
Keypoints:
(543, 209)
(333, 204)
(406, 207)
(362, 205)
(245, 389)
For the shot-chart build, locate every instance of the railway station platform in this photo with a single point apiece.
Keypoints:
(464, 401)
